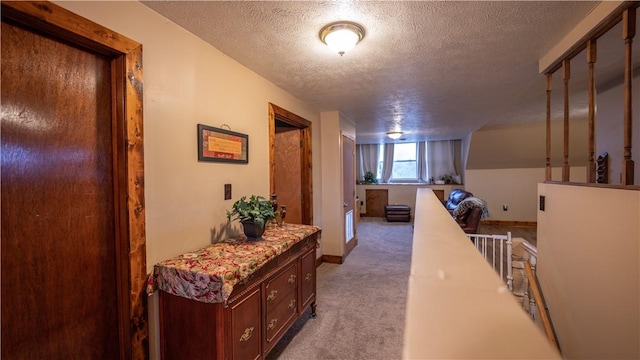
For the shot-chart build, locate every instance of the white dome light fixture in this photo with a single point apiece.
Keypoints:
(342, 36)
(395, 135)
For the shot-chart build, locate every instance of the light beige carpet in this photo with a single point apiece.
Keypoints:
(361, 303)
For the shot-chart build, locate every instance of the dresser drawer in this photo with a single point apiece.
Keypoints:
(279, 318)
(280, 286)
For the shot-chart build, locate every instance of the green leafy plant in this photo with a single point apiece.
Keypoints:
(369, 178)
(256, 209)
(448, 179)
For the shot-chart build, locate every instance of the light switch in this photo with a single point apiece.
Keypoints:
(227, 191)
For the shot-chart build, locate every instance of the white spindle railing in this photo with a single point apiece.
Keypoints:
(524, 252)
(497, 250)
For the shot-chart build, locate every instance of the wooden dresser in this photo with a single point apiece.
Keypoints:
(237, 298)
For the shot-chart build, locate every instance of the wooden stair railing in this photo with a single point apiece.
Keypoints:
(540, 304)
(626, 14)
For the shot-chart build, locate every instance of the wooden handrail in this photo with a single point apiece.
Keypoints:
(537, 295)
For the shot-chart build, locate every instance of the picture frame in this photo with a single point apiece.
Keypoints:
(220, 145)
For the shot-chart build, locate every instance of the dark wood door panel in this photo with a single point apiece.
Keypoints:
(59, 292)
(288, 176)
(376, 201)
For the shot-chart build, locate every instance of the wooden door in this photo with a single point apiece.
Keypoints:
(59, 292)
(349, 192)
(290, 172)
(66, 226)
(288, 175)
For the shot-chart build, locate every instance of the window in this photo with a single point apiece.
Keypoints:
(414, 162)
(405, 164)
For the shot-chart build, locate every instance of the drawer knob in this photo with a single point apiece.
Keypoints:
(272, 324)
(247, 334)
(292, 304)
(272, 295)
(292, 279)
(308, 277)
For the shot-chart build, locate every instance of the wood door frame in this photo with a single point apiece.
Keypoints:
(277, 113)
(128, 155)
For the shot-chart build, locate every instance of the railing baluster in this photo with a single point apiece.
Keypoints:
(509, 259)
(566, 75)
(548, 163)
(628, 32)
(481, 242)
(592, 55)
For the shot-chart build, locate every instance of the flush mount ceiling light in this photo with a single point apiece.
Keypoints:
(342, 36)
(395, 135)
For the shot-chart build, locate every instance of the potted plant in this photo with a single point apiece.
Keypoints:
(369, 178)
(448, 179)
(253, 214)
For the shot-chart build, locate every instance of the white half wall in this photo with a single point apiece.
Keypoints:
(588, 267)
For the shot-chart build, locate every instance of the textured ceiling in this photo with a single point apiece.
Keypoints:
(436, 70)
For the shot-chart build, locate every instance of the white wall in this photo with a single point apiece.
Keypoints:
(588, 266)
(186, 82)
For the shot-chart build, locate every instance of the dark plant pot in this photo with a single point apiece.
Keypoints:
(252, 230)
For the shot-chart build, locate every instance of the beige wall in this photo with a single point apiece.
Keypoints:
(524, 145)
(588, 265)
(334, 125)
(332, 189)
(517, 188)
(610, 129)
(187, 82)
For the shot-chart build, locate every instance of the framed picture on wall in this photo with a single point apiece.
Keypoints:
(220, 145)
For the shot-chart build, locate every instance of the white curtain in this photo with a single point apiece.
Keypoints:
(441, 159)
(423, 173)
(387, 163)
(367, 159)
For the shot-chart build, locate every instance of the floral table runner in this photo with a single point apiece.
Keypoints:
(209, 274)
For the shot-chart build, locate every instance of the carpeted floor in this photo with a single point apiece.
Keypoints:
(361, 303)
